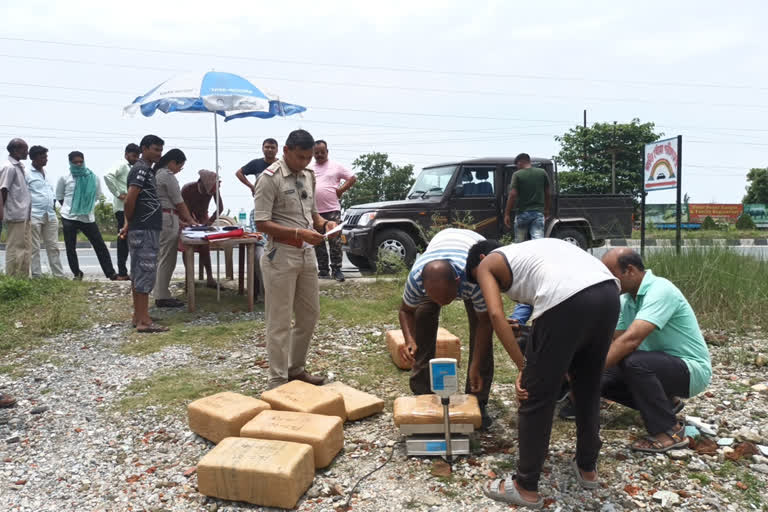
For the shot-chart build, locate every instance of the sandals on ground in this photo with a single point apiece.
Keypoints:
(586, 484)
(510, 493)
(680, 440)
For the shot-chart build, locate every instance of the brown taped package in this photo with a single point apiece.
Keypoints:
(447, 345)
(325, 434)
(358, 404)
(302, 397)
(263, 472)
(223, 414)
(427, 410)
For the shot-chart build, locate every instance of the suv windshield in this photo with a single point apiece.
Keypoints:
(431, 182)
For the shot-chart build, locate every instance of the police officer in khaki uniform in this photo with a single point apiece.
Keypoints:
(284, 209)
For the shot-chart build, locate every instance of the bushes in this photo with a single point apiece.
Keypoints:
(709, 224)
(745, 222)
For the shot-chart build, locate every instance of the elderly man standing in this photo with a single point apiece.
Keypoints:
(437, 279)
(658, 352)
(284, 209)
(44, 223)
(15, 206)
(329, 176)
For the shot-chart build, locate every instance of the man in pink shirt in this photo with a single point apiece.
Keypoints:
(328, 176)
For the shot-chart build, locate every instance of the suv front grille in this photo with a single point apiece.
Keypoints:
(351, 219)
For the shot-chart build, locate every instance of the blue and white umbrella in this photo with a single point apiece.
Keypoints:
(223, 94)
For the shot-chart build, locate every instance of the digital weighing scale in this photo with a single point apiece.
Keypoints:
(444, 439)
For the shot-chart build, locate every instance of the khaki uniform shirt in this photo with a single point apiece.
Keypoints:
(285, 197)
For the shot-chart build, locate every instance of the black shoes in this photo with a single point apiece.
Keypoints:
(169, 303)
(338, 275)
(323, 274)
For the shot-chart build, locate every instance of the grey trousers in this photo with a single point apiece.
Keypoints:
(45, 234)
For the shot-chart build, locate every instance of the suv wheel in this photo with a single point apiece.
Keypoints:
(398, 243)
(359, 261)
(572, 236)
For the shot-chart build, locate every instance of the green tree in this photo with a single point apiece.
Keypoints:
(757, 190)
(587, 153)
(745, 222)
(105, 216)
(378, 179)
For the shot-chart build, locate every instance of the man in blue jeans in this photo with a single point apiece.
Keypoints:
(529, 190)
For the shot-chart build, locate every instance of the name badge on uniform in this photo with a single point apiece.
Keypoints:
(291, 191)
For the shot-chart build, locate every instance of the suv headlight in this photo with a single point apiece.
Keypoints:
(366, 218)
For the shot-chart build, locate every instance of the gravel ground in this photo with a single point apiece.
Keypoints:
(67, 446)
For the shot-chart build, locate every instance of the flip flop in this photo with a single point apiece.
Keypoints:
(679, 438)
(586, 484)
(152, 329)
(510, 494)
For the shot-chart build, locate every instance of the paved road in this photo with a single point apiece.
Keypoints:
(89, 265)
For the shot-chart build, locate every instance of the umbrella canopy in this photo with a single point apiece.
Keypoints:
(226, 94)
(214, 91)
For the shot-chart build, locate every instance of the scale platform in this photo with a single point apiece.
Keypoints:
(435, 428)
(426, 444)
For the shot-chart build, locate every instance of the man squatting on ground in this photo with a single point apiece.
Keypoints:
(438, 278)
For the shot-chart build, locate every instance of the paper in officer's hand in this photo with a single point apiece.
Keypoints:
(334, 230)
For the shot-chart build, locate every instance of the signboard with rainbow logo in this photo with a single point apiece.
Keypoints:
(661, 165)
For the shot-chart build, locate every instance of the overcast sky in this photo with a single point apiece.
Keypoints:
(424, 81)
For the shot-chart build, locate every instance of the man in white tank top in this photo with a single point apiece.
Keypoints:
(575, 303)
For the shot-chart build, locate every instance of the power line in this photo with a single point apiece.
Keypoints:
(199, 54)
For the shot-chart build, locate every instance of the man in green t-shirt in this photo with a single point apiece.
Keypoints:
(529, 192)
(658, 352)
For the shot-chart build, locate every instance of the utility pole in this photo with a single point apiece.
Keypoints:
(613, 161)
(584, 157)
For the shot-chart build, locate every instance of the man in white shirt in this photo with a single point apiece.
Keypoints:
(117, 183)
(45, 224)
(77, 214)
(575, 301)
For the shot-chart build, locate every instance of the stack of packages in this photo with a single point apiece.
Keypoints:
(267, 450)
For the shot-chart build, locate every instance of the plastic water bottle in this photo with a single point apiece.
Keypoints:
(242, 219)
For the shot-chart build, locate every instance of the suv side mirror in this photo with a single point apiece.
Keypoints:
(458, 191)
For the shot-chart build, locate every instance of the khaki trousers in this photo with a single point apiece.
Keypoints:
(291, 297)
(167, 255)
(45, 234)
(17, 248)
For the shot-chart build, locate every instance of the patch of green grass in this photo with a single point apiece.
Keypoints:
(172, 391)
(726, 290)
(753, 494)
(31, 309)
(701, 477)
(14, 370)
(360, 304)
(216, 336)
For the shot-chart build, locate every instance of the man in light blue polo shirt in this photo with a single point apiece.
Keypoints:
(658, 352)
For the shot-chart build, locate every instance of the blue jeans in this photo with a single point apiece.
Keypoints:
(529, 223)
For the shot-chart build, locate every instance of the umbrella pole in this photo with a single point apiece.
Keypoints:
(216, 202)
